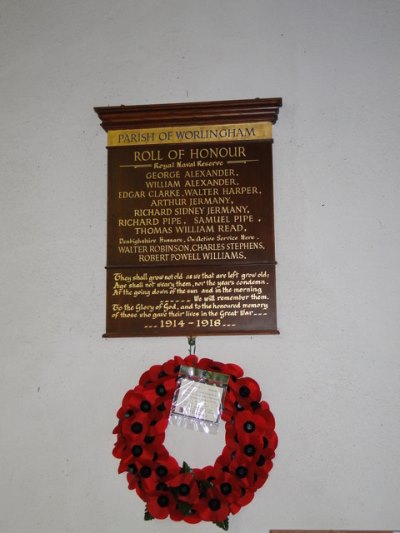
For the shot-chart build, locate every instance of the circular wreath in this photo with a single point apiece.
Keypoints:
(210, 493)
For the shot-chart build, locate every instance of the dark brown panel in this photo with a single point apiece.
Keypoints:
(190, 225)
(191, 301)
(191, 214)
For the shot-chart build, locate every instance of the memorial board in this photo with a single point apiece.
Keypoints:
(190, 224)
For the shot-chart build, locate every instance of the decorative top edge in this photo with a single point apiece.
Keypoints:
(230, 111)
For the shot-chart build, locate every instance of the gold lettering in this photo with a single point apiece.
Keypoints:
(123, 195)
(147, 155)
(218, 152)
(187, 134)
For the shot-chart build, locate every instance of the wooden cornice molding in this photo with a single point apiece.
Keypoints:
(229, 111)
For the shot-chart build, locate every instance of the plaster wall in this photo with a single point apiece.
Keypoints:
(331, 377)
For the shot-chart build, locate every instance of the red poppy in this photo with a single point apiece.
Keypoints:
(157, 427)
(131, 464)
(185, 488)
(267, 415)
(132, 481)
(159, 505)
(150, 375)
(190, 360)
(224, 368)
(235, 371)
(206, 474)
(227, 485)
(158, 474)
(140, 425)
(160, 390)
(243, 471)
(260, 477)
(119, 447)
(171, 367)
(126, 460)
(192, 517)
(226, 415)
(242, 394)
(224, 460)
(134, 428)
(246, 496)
(231, 435)
(250, 446)
(270, 444)
(143, 452)
(143, 401)
(213, 507)
(249, 423)
(155, 440)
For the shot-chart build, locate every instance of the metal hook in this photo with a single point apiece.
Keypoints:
(192, 344)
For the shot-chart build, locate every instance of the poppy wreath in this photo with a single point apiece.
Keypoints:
(211, 493)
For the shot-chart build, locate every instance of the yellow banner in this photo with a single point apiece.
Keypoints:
(249, 131)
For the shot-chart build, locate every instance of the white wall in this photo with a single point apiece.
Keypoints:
(331, 377)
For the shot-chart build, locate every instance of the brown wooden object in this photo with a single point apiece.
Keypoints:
(190, 223)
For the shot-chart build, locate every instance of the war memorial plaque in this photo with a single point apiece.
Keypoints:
(190, 224)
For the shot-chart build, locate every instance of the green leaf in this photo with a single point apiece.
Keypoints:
(147, 515)
(204, 485)
(186, 468)
(223, 525)
(184, 507)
